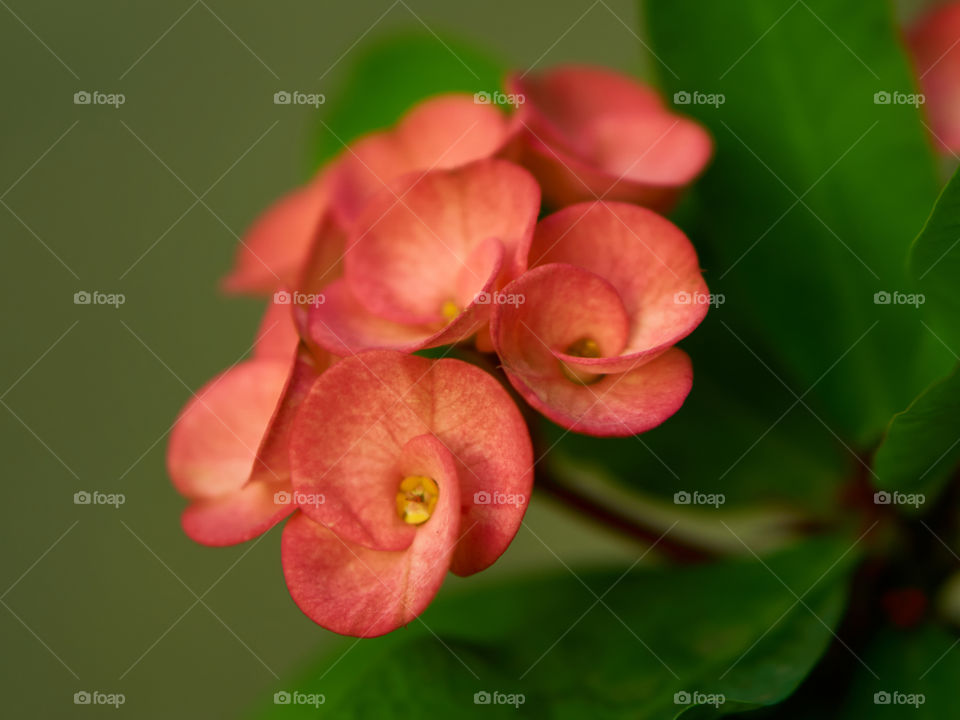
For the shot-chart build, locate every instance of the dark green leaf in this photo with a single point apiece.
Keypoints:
(732, 628)
(815, 192)
(921, 666)
(391, 75)
(935, 262)
(922, 445)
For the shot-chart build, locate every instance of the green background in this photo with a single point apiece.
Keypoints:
(89, 392)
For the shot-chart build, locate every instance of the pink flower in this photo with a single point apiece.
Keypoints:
(587, 335)
(228, 450)
(416, 467)
(590, 133)
(934, 41)
(442, 132)
(424, 257)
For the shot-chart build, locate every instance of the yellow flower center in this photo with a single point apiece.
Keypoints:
(449, 310)
(416, 499)
(585, 347)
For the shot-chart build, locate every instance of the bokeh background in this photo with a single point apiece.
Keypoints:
(147, 200)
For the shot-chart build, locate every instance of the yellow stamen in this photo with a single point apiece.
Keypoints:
(449, 310)
(416, 499)
(585, 347)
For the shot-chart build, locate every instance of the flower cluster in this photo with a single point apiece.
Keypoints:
(532, 237)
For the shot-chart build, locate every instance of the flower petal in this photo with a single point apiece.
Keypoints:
(565, 308)
(649, 261)
(274, 249)
(933, 43)
(407, 257)
(353, 590)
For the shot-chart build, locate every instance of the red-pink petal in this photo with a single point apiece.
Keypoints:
(649, 261)
(235, 517)
(593, 134)
(407, 255)
(274, 249)
(933, 41)
(215, 439)
(277, 335)
(352, 429)
(440, 133)
(563, 306)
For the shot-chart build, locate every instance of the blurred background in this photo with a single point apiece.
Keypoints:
(147, 200)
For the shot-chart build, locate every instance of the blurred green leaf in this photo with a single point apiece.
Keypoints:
(921, 662)
(389, 75)
(815, 191)
(922, 445)
(735, 628)
(935, 262)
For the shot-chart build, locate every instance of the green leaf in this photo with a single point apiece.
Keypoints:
(935, 262)
(732, 628)
(390, 75)
(922, 445)
(815, 192)
(921, 662)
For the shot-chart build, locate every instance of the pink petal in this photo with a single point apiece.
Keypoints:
(407, 256)
(236, 516)
(354, 590)
(564, 305)
(594, 134)
(277, 335)
(649, 261)
(933, 40)
(440, 133)
(215, 440)
(353, 427)
(274, 249)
